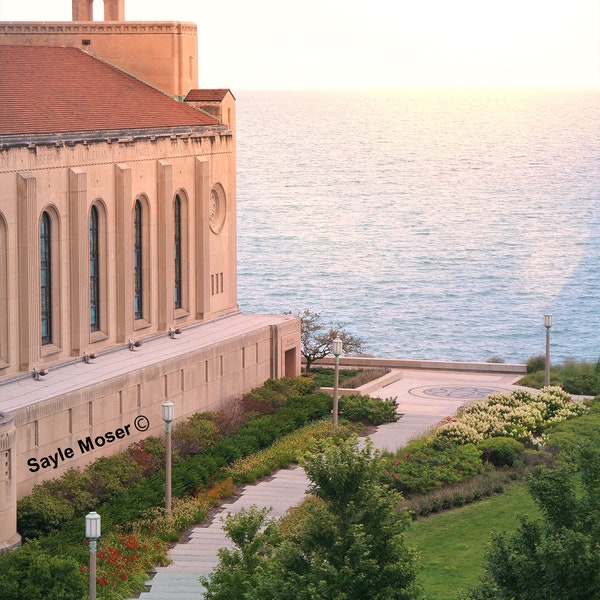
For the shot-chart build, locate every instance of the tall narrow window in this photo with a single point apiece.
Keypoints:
(137, 261)
(46, 278)
(94, 272)
(177, 250)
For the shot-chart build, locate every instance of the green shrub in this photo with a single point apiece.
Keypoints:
(580, 378)
(31, 572)
(569, 436)
(348, 378)
(284, 451)
(148, 454)
(467, 492)
(74, 487)
(274, 393)
(536, 363)
(324, 376)
(535, 380)
(430, 467)
(41, 512)
(502, 451)
(537, 458)
(111, 474)
(303, 386)
(576, 377)
(195, 434)
(359, 407)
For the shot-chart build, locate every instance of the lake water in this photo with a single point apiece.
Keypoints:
(434, 224)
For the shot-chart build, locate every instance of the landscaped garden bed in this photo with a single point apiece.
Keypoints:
(472, 456)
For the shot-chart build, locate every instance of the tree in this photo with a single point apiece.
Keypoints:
(317, 337)
(345, 544)
(254, 535)
(558, 557)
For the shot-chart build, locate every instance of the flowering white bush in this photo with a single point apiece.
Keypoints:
(460, 432)
(519, 414)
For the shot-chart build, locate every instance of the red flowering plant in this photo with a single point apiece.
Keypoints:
(123, 561)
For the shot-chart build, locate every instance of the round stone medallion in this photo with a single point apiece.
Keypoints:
(457, 392)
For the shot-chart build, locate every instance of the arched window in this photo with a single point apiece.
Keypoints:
(138, 264)
(46, 278)
(94, 271)
(177, 250)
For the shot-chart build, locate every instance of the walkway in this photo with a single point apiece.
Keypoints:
(424, 399)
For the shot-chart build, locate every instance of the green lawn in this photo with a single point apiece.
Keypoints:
(452, 544)
(324, 375)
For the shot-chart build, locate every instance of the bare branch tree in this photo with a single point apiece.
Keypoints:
(317, 337)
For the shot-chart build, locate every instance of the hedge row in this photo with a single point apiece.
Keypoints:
(192, 473)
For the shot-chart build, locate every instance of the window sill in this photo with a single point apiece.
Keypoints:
(181, 313)
(49, 350)
(98, 336)
(140, 324)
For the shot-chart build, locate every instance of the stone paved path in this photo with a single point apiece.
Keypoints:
(422, 405)
(198, 556)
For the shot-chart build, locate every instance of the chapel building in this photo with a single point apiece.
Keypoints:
(118, 283)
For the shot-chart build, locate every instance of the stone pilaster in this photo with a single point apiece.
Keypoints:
(9, 538)
(124, 245)
(165, 244)
(29, 263)
(202, 258)
(79, 263)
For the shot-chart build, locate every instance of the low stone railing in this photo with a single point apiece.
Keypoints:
(361, 362)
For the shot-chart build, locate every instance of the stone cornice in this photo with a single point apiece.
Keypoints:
(123, 136)
(92, 27)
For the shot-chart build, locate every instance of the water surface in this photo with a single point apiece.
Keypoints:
(435, 225)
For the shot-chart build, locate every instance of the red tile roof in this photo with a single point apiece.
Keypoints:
(47, 90)
(206, 95)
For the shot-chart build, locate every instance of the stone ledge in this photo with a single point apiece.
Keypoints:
(436, 365)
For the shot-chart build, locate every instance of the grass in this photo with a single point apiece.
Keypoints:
(452, 544)
(324, 375)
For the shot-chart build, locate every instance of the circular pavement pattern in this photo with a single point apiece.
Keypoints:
(456, 392)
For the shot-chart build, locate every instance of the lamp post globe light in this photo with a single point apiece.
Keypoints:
(336, 350)
(547, 325)
(168, 415)
(92, 533)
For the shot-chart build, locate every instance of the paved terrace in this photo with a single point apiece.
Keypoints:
(425, 397)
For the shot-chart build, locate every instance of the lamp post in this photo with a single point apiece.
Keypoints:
(336, 350)
(92, 533)
(547, 325)
(168, 414)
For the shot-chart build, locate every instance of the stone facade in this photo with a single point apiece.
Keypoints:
(66, 182)
(118, 286)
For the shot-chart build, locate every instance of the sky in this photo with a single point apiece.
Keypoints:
(315, 44)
